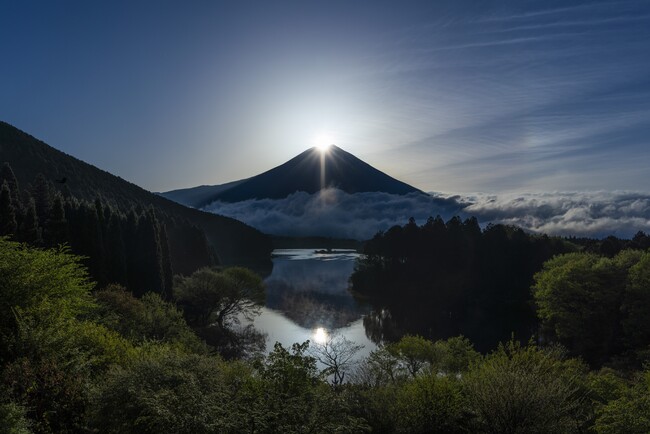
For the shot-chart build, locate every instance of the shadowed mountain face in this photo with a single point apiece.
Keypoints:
(233, 241)
(310, 172)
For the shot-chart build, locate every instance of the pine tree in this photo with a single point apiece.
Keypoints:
(115, 251)
(8, 223)
(130, 232)
(73, 218)
(42, 198)
(29, 231)
(56, 229)
(99, 208)
(7, 174)
(168, 274)
(95, 240)
(149, 255)
(102, 234)
(65, 191)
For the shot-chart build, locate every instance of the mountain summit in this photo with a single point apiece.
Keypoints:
(309, 171)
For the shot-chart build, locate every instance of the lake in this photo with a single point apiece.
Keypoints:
(307, 298)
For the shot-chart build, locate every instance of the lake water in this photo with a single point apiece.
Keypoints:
(307, 298)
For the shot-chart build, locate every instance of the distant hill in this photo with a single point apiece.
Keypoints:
(310, 171)
(196, 196)
(233, 241)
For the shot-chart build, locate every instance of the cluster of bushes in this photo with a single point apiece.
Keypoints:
(513, 389)
(597, 307)
(77, 360)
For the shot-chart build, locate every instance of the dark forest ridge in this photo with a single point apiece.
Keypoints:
(309, 171)
(233, 241)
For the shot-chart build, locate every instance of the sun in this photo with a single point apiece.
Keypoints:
(324, 147)
(323, 141)
(320, 335)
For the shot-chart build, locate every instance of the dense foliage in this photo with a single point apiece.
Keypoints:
(213, 301)
(74, 359)
(597, 307)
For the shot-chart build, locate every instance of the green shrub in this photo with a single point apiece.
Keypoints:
(520, 389)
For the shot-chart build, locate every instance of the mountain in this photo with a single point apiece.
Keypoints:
(234, 242)
(310, 171)
(195, 196)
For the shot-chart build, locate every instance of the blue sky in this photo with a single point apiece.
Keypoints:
(457, 96)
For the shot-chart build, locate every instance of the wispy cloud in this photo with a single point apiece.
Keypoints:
(500, 111)
(571, 9)
(577, 23)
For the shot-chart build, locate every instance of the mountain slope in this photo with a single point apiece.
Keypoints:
(233, 241)
(311, 171)
(196, 196)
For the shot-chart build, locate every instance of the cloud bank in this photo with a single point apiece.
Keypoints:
(594, 214)
(338, 214)
(335, 213)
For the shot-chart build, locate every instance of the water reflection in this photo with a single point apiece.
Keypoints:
(311, 289)
(307, 298)
(485, 324)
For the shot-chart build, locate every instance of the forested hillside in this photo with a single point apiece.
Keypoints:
(232, 241)
(138, 249)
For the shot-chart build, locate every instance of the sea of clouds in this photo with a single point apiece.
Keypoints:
(335, 213)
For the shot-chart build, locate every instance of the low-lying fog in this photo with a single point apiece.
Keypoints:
(335, 213)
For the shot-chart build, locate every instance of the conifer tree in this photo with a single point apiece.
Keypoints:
(168, 273)
(7, 174)
(108, 215)
(96, 244)
(29, 230)
(101, 232)
(56, 230)
(149, 255)
(99, 208)
(65, 191)
(115, 251)
(130, 232)
(72, 215)
(8, 223)
(42, 198)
